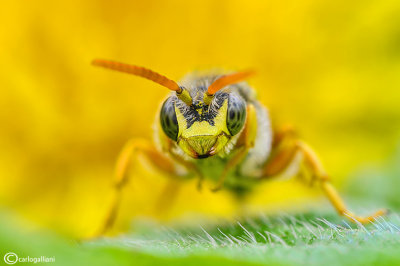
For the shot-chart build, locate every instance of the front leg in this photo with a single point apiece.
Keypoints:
(164, 164)
(244, 144)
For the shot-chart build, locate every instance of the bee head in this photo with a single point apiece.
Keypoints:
(204, 128)
(201, 127)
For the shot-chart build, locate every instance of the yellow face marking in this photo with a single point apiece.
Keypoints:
(203, 128)
(203, 139)
(200, 110)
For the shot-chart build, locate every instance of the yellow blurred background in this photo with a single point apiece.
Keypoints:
(330, 68)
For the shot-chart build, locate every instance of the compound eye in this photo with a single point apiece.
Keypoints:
(168, 120)
(236, 115)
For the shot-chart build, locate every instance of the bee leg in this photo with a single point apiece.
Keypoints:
(280, 159)
(191, 167)
(229, 166)
(283, 134)
(312, 161)
(245, 142)
(131, 149)
(285, 154)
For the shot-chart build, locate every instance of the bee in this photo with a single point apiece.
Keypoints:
(214, 127)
